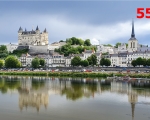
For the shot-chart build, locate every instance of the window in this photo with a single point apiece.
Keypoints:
(133, 44)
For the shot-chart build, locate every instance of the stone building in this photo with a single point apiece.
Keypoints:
(33, 37)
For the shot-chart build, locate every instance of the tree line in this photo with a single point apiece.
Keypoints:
(68, 48)
(13, 62)
(91, 60)
(140, 61)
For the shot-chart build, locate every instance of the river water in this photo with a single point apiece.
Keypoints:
(43, 98)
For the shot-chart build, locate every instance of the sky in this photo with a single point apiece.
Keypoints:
(108, 21)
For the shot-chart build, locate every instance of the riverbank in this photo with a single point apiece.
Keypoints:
(74, 74)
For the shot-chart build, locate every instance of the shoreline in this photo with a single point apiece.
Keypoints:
(75, 74)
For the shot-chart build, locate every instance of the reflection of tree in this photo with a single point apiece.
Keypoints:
(37, 84)
(5, 85)
(78, 89)
(105, 87)
(92, 87)
(73, 93)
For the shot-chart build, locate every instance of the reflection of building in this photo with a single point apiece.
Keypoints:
(34, 93)
(133, 99)
(36, 100)
(124, 88)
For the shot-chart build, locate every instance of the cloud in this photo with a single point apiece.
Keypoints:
(61, 27)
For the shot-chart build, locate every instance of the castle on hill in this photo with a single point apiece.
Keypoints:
(33, 37)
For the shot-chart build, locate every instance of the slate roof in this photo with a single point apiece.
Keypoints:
(28, 32)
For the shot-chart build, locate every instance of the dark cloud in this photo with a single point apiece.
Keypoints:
(72, 18)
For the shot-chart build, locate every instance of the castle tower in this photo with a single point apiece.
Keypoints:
(33, 37)
(37, 30)
(19, 34)
(20, 30)
(132, 42)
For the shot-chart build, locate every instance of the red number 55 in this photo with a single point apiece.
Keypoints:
(140, 12)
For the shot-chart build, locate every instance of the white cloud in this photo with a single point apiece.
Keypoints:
(59, 27)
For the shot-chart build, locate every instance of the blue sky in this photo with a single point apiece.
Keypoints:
(107, 21)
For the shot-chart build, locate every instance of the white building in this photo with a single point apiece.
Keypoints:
(33, 37)
(11, 47)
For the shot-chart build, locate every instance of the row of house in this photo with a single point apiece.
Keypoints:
(54, 59)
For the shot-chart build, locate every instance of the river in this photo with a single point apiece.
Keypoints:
(49, 98)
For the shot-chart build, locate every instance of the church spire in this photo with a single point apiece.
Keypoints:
(132, 34)
(37, 28)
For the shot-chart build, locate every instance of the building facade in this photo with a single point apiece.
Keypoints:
(33, 37)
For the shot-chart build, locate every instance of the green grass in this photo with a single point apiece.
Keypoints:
(73, 74)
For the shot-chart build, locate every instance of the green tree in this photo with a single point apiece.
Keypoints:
(94, 59)
(117, 44)
(20, 52)
(35, 62)
(42, 62)
(12, 62)
(84, 63)
(3, 48)
(89, 59)
(144, 62)
(1, 63)
(148, 62)
(76, 61)
(102, 61)
(133, 63)
(105, 61)
(61, 41)
(87, 42)
(108, 45)
(80, 42)
(3, 51)
(139, 61)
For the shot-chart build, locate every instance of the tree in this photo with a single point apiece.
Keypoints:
(148, 62)
(134, 63)
(42, 62)
(12, 62)
(117, 44)
(89, 59)
(20, 52)
(76, 61)
(1, 63)
(3, 48)
(35, 62)
(108, 45)
(3, 51)
(87, 42)
(144, 62)
(61, 41)
(84, 63)
(105, 61)
(94, 59)
(139, 61)
(102, 61)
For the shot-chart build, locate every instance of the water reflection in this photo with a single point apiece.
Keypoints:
(35, 91)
